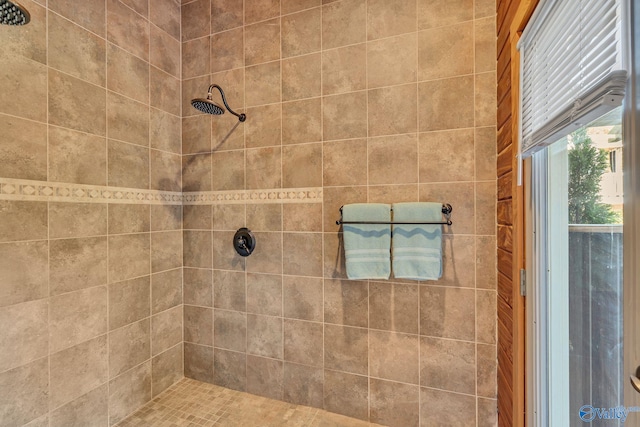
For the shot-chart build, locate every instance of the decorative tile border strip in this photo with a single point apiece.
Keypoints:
(42, 191)
(277, 195)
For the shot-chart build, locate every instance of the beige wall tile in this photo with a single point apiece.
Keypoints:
(197, 249)
(259, 10)
(225, 14)
(342, 162)
(22, 220)
(264, 217)
(196, 19)
(198, 362)
(24, 332)
(393, 193)
(487, 412)
(345, 349)
(196, 172)
(345, 116)
(164, 52)
(229, 290)
(77, 264)
(227, 50)
(88, 409)
(76, 317)
(346, 394)
(166, 171)
(68, 106)
(166, 217)
(264, 336)
(77, 220)
(460, 196)
(487, 371)
(267, 256)
(166, 250)
(458, 255)
(447, 364)
(334, 266)
(290, 6)
(263, 84)
(389, 159)
(32, 42)
(166, 290)
(77, 157)
(264, 127)
(139, 6)
(485, 99)
(227, 131)
(16, 72)
(485, 43)
(302, 216)
(302, 165)
(198, 287)
(128, 256)
(23, 272)
(230, 369)
(196, 57)
(128, 165)
(166, 330)
(394, 403)
(385, 19)
(127, 120)
(264, 294)
(302, 298)
(166, 369)
(128, 218)
(129, 391)
(23, 153)
(76, 51)
(486, 196)
(486, 307)
(459, 304)
(435, 13)
(485, 263)
(302, 121)
(129, 301)
(445, 104)
(265, 377)
(29, 385)
(264, 168)
(127, 74)
(230, 330)
(446, 51)
(346, 302)
(303, 385)
(435, 155)
(262, 42)
(485, 153)
(392, 110)
(442, 407)
(392, 61)
(90, 14)
(166, 15)
(196, 134)
(394, 356)
(302, 254)
(344, 69)
(301, 33)
(127, 29)
(165, 89)
(128, 347)
(303, 342)
(197, 217)
(78, 370)
(198, 325)
(343, 23)
(393, 307)
(301, 77)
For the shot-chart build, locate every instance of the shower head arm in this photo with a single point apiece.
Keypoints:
(240, 117)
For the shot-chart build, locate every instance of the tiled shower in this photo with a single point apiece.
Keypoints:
(119, 201)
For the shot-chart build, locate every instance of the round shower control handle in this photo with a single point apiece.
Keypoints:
(244, 242)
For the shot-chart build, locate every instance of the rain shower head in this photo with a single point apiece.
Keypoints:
(11, 13)
(209, 107)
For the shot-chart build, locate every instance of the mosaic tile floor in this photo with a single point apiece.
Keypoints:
(192, 403)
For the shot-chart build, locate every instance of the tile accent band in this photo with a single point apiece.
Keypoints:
(43, 191)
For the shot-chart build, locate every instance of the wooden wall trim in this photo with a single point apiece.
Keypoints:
(512, 16)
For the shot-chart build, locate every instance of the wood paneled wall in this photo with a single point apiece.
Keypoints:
(512, 15)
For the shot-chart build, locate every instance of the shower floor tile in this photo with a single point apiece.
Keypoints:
(193, 403)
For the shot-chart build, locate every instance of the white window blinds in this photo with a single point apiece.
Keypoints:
(572, 68)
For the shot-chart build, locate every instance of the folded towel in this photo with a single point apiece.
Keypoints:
(367, 246)
(417, 249)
